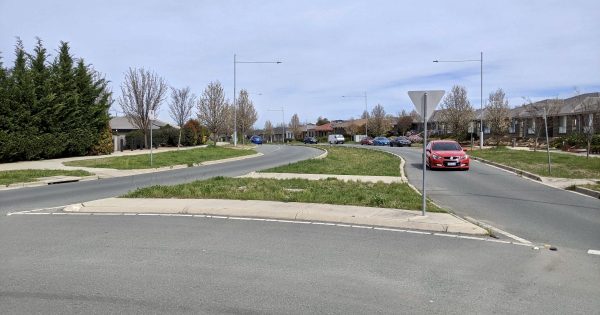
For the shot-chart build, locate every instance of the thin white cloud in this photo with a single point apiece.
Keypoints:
(531, 48)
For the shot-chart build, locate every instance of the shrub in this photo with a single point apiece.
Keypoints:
(105, 144)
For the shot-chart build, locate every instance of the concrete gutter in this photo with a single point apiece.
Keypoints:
(509, 168)
(586, 191)
(384, 217)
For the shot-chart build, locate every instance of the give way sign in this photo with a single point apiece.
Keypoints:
(433, 99)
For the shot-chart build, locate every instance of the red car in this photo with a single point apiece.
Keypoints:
(446, 154)
(367, 141)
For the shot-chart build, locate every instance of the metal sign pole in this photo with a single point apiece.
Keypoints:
(424, 151)
(547, 142)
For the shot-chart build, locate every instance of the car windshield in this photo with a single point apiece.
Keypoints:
(380, 138)
(446, 146)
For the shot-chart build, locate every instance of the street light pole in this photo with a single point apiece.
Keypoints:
(480, 60)
(366, 109)
(235, 62)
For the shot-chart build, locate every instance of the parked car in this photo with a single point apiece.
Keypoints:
(367, 141)
(256, 139)
(310, 140)
(336, 139)
(400, 142)
(446, 154)
(381, 141)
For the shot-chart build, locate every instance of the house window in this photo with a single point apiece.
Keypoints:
(513, 126)
(531, 129)
(562, 128)
(574, 124)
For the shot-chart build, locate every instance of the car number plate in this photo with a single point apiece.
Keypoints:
(451, 163)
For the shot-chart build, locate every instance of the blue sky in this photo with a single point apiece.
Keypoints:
(535, 49)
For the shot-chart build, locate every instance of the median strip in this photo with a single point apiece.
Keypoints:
(289, 211)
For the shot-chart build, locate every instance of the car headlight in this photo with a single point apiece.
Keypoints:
(464, 157)
(437, 157)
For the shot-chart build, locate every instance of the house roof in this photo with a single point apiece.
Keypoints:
(121, 123)
(325, 127)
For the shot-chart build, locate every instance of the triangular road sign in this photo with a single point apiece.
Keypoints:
(433, 99)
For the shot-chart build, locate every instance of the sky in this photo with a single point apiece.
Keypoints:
(531, 49)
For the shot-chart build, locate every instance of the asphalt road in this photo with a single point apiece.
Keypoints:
(69, 193)
(147, 265)
(528, 209)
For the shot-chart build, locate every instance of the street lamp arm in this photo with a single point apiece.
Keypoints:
(259, 62)
(466, 60)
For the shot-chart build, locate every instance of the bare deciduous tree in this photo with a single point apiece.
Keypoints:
(295, 126)
(403, 123)
(180, 107)
(212, 109)
(379, 123)
(496, 114)
(141, 92)
(536, 113)
(457, 111)
(269, 130)
(365, 115)
(588, 106)
(353, 127)
(246, 114)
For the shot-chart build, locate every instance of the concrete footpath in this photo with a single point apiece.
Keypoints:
(383, 217)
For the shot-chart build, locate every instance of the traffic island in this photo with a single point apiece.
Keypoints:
(297, 211)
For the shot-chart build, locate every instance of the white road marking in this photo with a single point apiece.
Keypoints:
(388, 229)
(362, 227)
(444, 234)
(593, 252)
(497, 230)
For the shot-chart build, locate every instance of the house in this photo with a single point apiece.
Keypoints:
(121, 126)
(565, 116)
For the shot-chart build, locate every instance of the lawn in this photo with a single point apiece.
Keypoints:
(346, 161)
(23, 176)
(182, 157)
(563, 165)
(329, 191)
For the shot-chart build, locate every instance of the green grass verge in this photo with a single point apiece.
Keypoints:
(329, 191)
(563, 165)
(346, 161)
(142, 161)
(24, 176)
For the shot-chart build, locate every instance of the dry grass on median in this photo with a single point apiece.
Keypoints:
(346, 161)
(329, 191)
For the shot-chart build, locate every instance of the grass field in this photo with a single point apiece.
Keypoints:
(346, 161)
(24, 176)
(563, 165)
(182, 157)
(330, 191)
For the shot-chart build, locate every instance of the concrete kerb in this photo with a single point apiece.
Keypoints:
(586, 191)
(522, 173)
(510, 169)
(393, 218)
